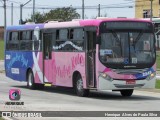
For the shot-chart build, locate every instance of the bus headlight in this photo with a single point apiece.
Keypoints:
(105, 76)
(151, 76)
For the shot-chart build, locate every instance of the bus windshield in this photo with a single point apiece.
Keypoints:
(127, 49)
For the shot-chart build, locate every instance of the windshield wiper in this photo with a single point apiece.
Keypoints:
(117, 39)
(116, 36)
(138, 37)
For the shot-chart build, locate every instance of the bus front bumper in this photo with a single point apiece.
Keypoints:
(105, 84)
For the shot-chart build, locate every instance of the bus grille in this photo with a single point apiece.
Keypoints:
(129, 71)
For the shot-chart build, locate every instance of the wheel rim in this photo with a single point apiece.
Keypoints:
(30, 79)
(79, 85)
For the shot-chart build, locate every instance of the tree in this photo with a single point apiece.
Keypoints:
(63, 14)
(40, 18)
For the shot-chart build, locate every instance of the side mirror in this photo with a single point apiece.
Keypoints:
(98, 40)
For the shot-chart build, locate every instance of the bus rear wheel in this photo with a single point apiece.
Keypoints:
(30, 82)
(126, 93)
(80, 91)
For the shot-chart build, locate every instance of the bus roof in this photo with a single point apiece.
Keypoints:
(25, 27)
(69, 24)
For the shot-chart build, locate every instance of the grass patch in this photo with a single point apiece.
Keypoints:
(1, 50)
(1, 118)
(158, 84)
(158, 60)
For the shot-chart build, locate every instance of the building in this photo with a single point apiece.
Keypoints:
(156, 22)
(1, 32)
(143, 8)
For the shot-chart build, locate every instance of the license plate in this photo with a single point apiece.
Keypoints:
(130, 82)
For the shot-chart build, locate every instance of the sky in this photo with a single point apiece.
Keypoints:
(108, 8)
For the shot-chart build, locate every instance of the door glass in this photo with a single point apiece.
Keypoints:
(47, 45)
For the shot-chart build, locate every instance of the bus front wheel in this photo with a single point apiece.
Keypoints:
(79, 87)
(126, 93)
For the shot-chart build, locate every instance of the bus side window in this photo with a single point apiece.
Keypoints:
(78, 39)
(72, 40)
(57, 34)
(13, 42)
(8, 40)
(26, 40)
(62, 36)
(71, 34)
(36, 40)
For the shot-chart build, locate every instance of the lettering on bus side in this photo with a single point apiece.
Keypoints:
(18, 58)
(65, 70)
(77, 60)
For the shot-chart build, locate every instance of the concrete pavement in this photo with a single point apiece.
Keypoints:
(2, 65)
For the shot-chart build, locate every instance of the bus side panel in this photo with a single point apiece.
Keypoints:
(16, 64)
(38, 67)
(63, 66)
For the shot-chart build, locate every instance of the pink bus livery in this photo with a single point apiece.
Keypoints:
(110, 54)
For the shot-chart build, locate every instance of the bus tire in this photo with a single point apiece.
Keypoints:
(30, 80)
(126, 93)
(31, 84)
(80, 91)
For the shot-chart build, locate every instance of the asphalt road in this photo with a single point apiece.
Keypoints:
(64, 99)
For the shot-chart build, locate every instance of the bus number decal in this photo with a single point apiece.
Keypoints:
(147, 73)
(8, 57)
(15, 70)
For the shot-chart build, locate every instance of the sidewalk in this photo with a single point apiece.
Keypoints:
(158, 77)
(2, 66)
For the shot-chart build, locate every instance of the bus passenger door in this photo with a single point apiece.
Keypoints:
(47, 57)
(91, 51)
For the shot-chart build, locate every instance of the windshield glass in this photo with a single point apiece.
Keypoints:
(127, 48)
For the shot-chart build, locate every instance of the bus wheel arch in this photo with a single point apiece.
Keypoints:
(31, 81)
(78, 85)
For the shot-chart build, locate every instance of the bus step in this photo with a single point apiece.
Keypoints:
(47, 84)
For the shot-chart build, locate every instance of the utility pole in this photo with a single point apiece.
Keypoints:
(20, 21)
(11, 13)
(99, 10)
(151, 10)
(82, 9)
(33, 10)
(21, 6)
(5, 19)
